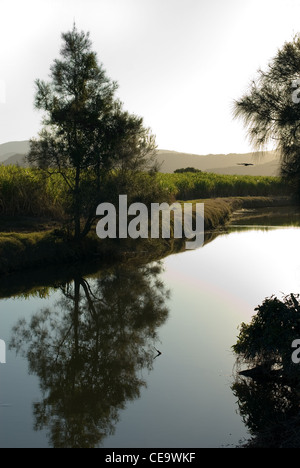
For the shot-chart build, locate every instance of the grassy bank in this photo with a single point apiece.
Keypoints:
(217, 211)
(19, 250)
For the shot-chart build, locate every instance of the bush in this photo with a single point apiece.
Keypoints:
(266, 342)
(186, 169)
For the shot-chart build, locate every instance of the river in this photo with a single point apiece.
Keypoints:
(141, 356)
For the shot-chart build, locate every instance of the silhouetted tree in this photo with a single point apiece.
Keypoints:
(268, 390)
(186, 169)
(270, 411)
(265, 343)
(271, 109)
(89, 351)
(86, 132)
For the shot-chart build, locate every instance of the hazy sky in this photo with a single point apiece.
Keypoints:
(179, 63)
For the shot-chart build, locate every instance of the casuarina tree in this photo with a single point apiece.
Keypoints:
(270, 110)
(86, 132)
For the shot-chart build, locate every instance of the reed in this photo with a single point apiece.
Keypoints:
(27, 192)
(208, 185)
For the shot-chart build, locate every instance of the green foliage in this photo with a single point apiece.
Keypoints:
(138, 186)
(209, 185)
(267, 340)
(26, 192)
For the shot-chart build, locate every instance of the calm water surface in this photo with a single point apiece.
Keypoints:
(83, 366)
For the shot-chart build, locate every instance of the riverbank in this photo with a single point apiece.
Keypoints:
(27, 249)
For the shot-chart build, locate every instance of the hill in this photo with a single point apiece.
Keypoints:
(265, 164)
(12, 148)
(16, 160)
(271, 168)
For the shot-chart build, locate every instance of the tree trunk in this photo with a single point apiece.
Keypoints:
(75, 319)
(77, 205)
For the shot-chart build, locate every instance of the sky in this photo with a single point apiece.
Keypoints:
(180, 64)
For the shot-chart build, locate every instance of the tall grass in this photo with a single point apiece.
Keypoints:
(208, 185)
(27, 192)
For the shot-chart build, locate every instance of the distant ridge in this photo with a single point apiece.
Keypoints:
(265, 164)
(14, 147)
(16, 160)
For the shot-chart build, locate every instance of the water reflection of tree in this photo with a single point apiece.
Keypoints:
(270, 410)
(268, 392)
(90, 350)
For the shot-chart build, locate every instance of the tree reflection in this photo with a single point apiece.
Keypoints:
(270, 410)
(89, 351)
(268, 392)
